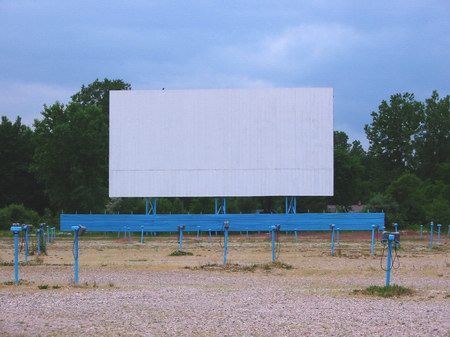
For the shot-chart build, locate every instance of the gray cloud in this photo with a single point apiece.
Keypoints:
(366, 51)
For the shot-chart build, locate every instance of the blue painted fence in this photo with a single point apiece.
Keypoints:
(215, 222)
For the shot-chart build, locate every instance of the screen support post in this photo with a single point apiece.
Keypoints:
(220, 205)
(150, 206)
(290, 205)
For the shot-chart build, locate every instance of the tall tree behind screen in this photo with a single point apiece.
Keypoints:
(71, 156)
(392, 136)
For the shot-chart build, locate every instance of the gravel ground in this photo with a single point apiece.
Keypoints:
(146, 293)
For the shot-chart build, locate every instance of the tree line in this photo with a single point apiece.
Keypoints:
(60, 164)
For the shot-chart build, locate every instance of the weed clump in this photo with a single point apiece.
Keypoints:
(180, 253)
(392, 291)
(235, 267)
(43, 286)
(22, 282)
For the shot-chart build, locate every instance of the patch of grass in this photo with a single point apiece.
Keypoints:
(391, 291)
(180, 253)
(56, 286)
(6, 263)
(21, 283)
(281, 265)
(138, 260)
(235, 267)
(80, 285)
(38, 260)
(43, 286)
(111, 285)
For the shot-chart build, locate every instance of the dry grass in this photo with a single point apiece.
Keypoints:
(121, 282)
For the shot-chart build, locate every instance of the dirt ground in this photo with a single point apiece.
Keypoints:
(132, 289)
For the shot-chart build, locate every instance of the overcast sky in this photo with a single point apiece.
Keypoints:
(365, 50)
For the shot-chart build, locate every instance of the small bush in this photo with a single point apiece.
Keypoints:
(391, 291)
(15, 213)
(43, 286)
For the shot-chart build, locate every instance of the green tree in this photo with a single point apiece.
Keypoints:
(71, 156)
(97, 93)
(348, 170)
(407, 192)
(17, 213)
(392, 136)
(18, 183)
(433, 144)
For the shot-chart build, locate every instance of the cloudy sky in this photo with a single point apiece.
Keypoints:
(365, 50)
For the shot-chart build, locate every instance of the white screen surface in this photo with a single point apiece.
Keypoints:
(255, 142)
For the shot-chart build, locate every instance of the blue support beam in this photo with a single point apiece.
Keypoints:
(274, 232)
(180, 237)
(77, 231)
(75, 256)
(290, 205)
(16, 229)
(220, 205)
(25, 229)
(430, 245)
(372, 247)
(332, 239)
(226, 226)
(388, 260)
(150, 206)
(38, 237)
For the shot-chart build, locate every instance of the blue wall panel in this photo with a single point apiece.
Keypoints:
(214, 222)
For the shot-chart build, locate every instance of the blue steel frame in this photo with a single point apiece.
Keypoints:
(220, 206)
(150, 208)
(290, 205)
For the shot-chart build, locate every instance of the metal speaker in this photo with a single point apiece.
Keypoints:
(82, 230)
(385, 236)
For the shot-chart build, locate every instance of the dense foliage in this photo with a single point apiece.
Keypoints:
(61, 164)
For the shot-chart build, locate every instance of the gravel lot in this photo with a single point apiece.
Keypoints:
(129, 289)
